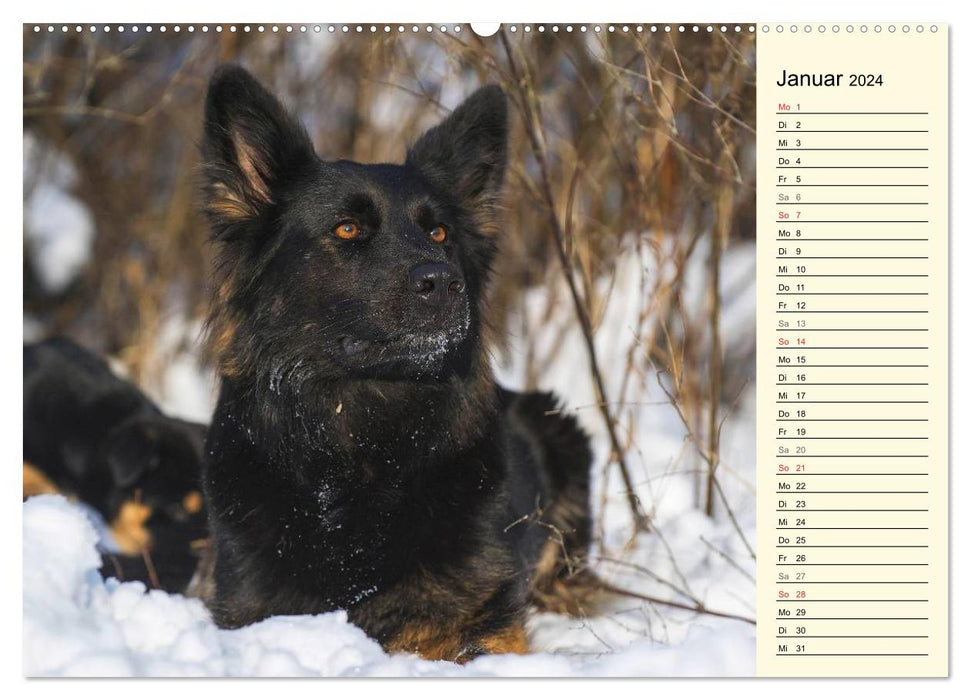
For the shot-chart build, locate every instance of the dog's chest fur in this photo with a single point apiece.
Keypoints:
(325, 522)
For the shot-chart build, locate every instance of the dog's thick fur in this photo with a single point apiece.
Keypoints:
(361, 456)
(91, 435)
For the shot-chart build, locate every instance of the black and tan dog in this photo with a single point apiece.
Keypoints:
(94, 436)
(361, 456)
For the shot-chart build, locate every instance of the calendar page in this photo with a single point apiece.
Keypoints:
(852, 327)
(611, 349)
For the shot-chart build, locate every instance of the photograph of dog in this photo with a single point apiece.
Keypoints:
(441, 343)
(359, 428)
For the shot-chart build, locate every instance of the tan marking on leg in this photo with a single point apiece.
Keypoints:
(36, 482)
(429, 641)
(128, 528)
(437, 643)
(554, 588)
(511, 640)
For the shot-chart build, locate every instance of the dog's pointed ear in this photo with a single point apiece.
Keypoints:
(467, 151)
(250, 145)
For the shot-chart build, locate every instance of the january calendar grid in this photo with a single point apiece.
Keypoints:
(521, 349)
(853, 314)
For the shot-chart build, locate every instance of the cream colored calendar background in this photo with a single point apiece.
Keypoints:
(871, 236)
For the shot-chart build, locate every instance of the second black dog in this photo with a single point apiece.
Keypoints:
(94, 436)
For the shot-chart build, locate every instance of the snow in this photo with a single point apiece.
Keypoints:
(58, 226)
(75, 623)
(187, 388)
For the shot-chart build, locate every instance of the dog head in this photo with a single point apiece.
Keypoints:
(155, 465)
(353, 270)
(159, 459)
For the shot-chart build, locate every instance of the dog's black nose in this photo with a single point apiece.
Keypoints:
(436, 282)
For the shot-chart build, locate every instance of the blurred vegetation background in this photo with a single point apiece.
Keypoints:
(620, 138)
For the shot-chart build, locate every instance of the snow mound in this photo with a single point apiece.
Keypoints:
(76, 624)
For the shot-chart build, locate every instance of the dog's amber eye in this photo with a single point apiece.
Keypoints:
(438, 234)
(347, 230)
